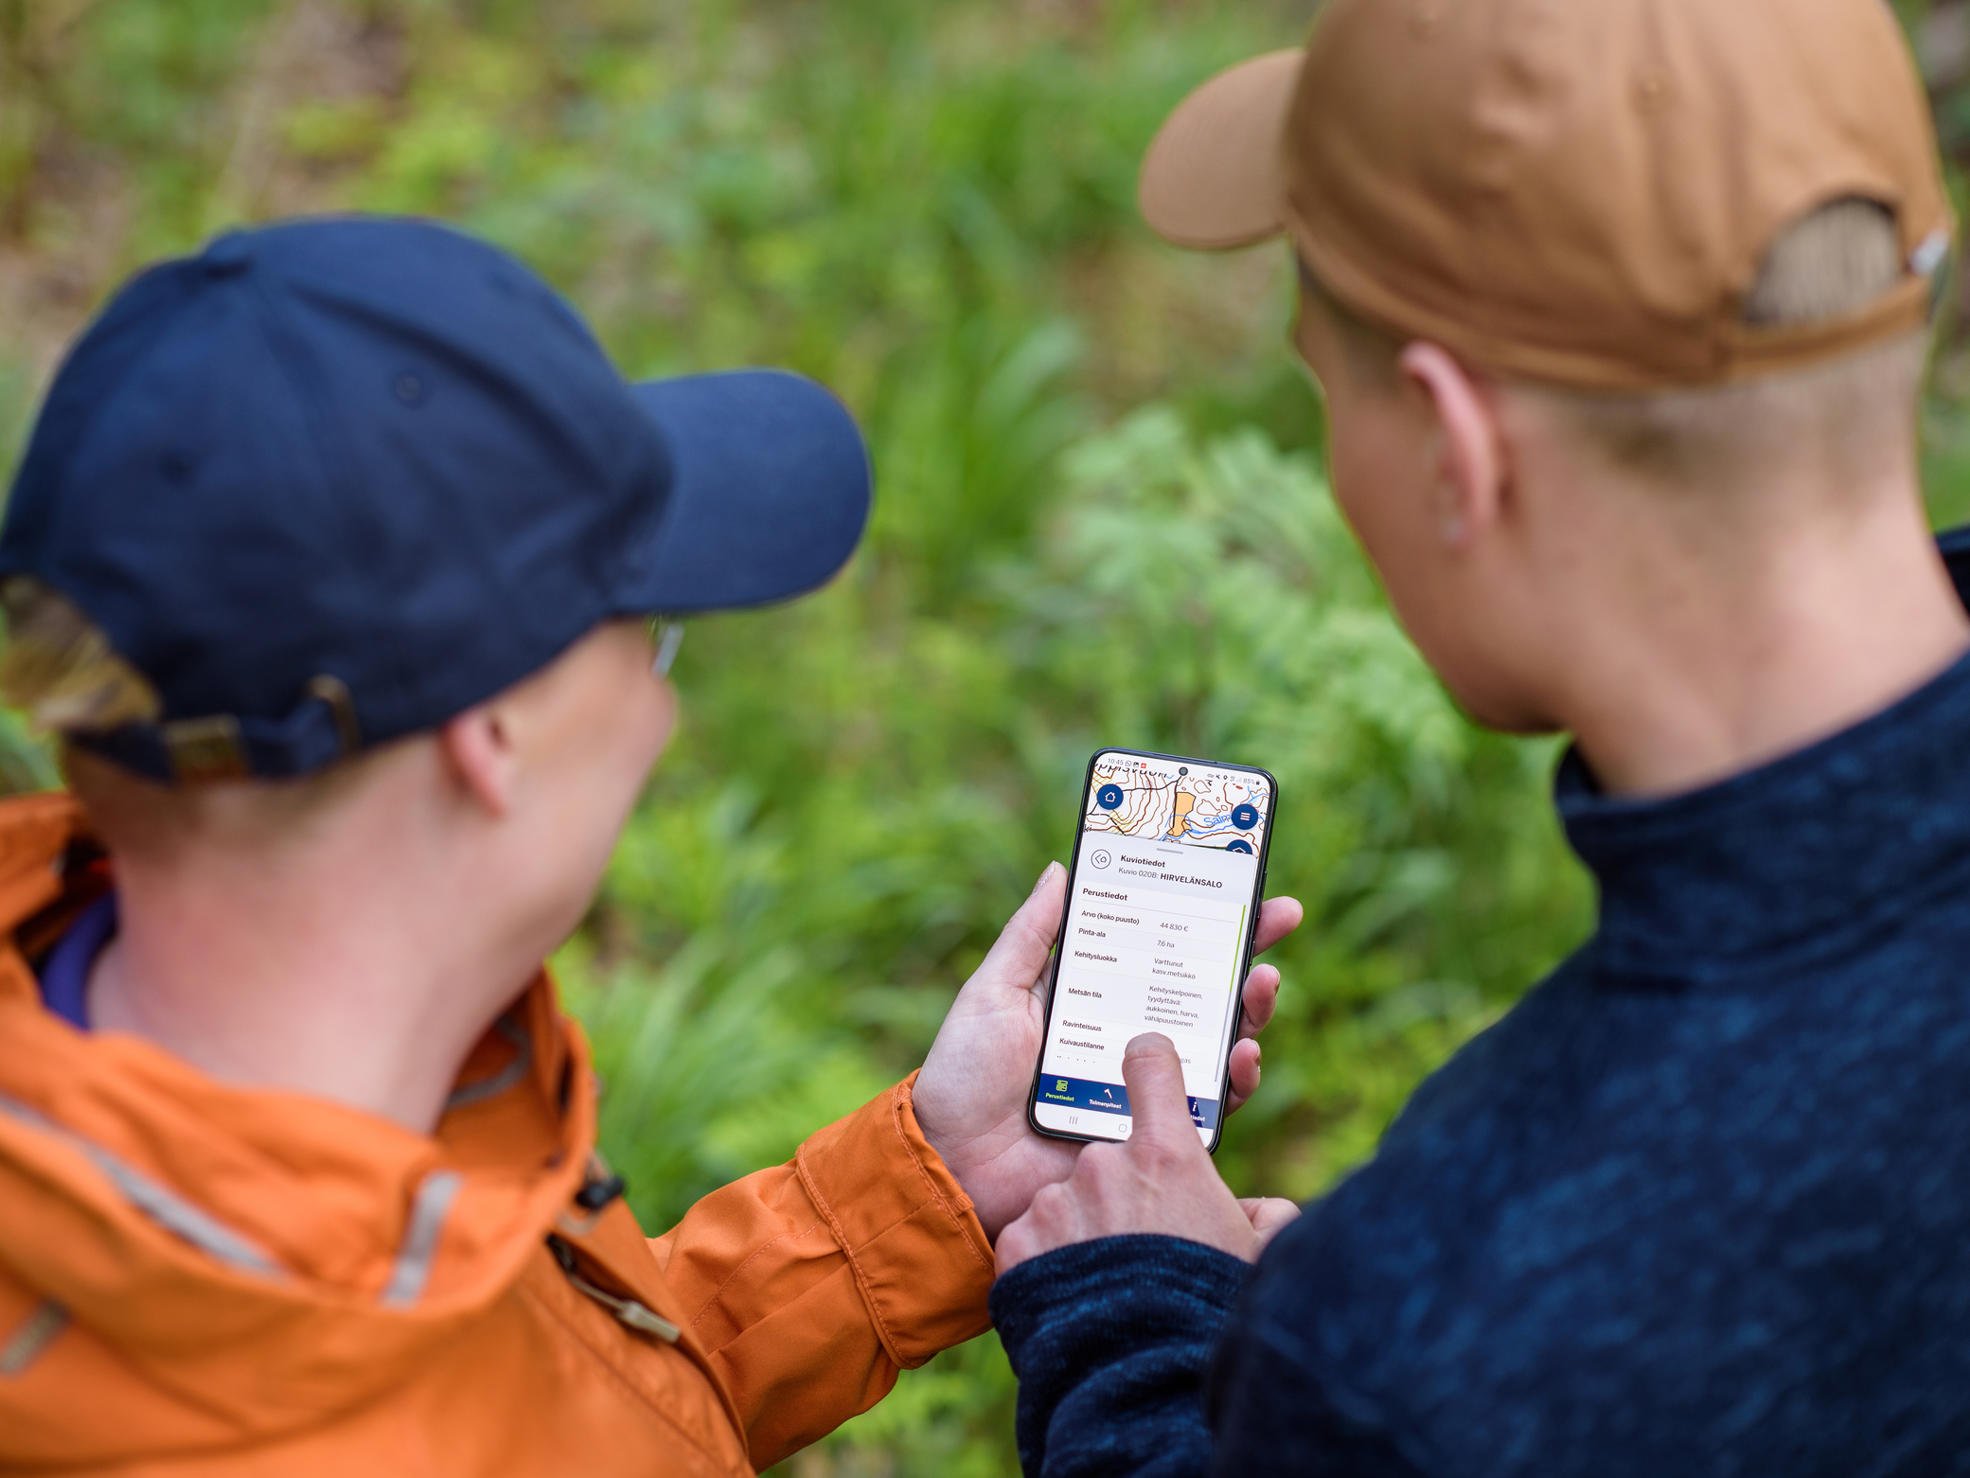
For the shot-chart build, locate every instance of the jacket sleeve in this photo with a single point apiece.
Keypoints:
(1139, 1357)
(1111, 1341)
(812, 1284)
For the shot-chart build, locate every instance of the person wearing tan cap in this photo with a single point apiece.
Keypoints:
(1619, 309)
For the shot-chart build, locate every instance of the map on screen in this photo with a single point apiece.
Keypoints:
(1198, 807)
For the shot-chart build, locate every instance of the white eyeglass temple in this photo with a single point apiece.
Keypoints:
(670, 636)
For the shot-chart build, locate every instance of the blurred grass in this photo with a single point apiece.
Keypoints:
(1101, 520)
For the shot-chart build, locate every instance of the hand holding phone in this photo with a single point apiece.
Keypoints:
(1162, 907)
(973, 1099)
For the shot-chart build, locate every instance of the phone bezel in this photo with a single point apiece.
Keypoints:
(1060, 938)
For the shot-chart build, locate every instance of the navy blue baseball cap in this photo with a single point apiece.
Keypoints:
(332, 482)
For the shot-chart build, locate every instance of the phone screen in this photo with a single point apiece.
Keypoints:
(1161, 908)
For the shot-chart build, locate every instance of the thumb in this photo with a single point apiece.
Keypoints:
(1269, 1215)
(1020, 952)
(1157, 1102)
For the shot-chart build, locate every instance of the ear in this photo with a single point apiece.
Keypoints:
(480, 755)
(1470, 452)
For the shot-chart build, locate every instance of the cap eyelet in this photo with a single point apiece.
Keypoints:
(409, 389)
(1929, 257)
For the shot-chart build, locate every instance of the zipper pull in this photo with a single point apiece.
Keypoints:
(628, 1311)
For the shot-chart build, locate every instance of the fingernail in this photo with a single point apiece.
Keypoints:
(1046, 873)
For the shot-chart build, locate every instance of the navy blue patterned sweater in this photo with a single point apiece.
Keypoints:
(1700, 1204)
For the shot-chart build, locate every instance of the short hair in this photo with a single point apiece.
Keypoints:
(1832, 263)
(59, 668)
(1368, 351)
(135, 816)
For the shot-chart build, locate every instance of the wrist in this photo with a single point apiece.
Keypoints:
(960, 1154)
(961, 1164)
(1145, 1281)
(933, 1151)
(924, 1111)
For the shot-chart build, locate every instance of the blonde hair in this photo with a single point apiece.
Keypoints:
(59, 669)
(1830, 265)
(140, 817)
(1834, 262)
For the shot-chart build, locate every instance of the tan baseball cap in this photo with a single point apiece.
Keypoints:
(1575, 191)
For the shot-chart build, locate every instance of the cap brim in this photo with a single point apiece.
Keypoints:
(1211, 179)
(770, 491)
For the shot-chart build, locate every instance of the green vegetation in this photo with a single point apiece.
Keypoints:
(1101, 520)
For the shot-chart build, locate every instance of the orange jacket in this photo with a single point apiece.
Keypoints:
(200, 1279)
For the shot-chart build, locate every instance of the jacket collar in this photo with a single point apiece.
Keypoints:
(1844, 834)
(184, 1220)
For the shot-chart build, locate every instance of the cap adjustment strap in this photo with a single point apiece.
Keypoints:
(205, 748)
(1904, 308)
(320, 731)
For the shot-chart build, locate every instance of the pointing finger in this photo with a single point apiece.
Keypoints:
(1157, 1102)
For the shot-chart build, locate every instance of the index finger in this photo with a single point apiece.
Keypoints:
(1157, 1102)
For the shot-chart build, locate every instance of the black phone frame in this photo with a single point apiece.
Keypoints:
(1067, 909)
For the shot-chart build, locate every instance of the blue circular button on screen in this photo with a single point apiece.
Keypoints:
(1245, 817)
(1110, 797)
(1245, 847)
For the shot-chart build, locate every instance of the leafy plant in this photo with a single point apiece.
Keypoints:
(1101, 520)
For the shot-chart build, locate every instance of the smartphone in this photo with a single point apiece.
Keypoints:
(1162, 905)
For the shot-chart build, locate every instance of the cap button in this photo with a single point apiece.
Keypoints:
(228, 256)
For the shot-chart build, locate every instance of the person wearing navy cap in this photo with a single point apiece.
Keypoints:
(348, 572)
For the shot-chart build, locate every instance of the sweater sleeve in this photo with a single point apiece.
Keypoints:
(1150, 1357)
(1111, 1341)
